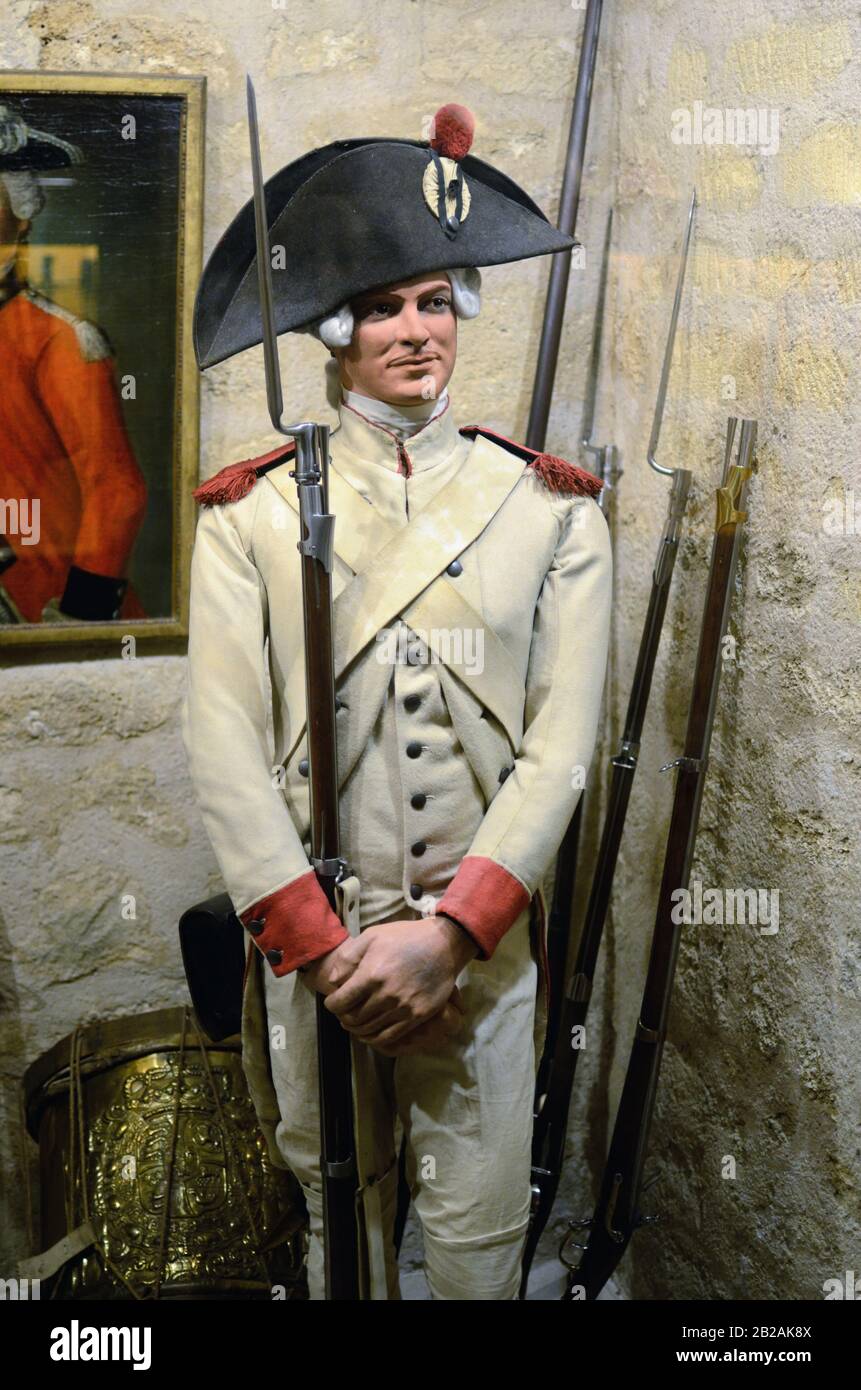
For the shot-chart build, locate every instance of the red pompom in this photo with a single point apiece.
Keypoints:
(452, 131)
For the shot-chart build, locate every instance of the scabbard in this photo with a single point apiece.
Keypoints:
(376, 1192)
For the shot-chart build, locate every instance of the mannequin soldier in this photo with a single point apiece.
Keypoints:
(472, 593)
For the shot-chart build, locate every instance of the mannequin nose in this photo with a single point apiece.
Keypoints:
(413, 330)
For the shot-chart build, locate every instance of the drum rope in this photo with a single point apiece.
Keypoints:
(174, 1131)
(78, 1139)
(228, 1134)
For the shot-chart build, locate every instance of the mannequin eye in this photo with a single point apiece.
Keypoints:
(380, 309)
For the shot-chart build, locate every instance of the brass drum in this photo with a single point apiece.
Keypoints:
(178, 1188)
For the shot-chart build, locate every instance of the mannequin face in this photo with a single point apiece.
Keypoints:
(404, 341)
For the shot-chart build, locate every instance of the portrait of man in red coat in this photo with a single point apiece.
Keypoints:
(72, 496)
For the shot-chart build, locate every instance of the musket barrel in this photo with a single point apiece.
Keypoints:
(338, 1166)
(554, 308)
(617, 1212)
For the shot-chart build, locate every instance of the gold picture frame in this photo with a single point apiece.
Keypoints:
(129, 251)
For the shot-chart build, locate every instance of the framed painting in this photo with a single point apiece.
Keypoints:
(101, 195)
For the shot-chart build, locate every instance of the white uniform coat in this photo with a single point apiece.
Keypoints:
(531, 589)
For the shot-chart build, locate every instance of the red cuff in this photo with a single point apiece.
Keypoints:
(485, 900)
(294, 925)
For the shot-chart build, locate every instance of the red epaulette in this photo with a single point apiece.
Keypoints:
(237, 479)
(557, 474)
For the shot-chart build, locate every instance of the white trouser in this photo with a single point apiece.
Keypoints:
(466, 1112)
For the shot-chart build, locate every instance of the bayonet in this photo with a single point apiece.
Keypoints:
(661, 399)
(569, 203)
(605, 456)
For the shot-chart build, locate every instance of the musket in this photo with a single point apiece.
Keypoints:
(617, 1213)
(559, 915)
(338, 1164)
(557, 1078)
(562, 897)
(569, 202)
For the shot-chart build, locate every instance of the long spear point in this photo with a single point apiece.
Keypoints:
(671, 342)
(597, 335)
(264, 268)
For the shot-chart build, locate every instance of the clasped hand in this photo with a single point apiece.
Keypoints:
(394, 985)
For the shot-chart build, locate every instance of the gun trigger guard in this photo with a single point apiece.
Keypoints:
(566, 1242)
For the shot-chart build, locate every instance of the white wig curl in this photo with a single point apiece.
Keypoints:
(26, 198)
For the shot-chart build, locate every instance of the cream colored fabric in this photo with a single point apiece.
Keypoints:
(535, 582)
(379, 824)
(466, 1112)
(403, 421)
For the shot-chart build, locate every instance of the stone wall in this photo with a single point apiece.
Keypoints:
(764, 1034)
(95, 803)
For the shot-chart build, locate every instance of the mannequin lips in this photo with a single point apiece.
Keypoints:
(413, 361)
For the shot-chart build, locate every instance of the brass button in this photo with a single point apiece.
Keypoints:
(274, 957)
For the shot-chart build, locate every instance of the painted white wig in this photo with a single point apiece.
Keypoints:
(26, 198)
(336, 329)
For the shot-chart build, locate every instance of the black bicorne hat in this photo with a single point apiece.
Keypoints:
(363, 213)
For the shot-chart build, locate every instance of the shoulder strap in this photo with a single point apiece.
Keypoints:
(237, 479)
(556, 473)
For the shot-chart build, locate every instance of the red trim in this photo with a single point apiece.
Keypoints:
(485, 899)
(236, 480)
(298, 922)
